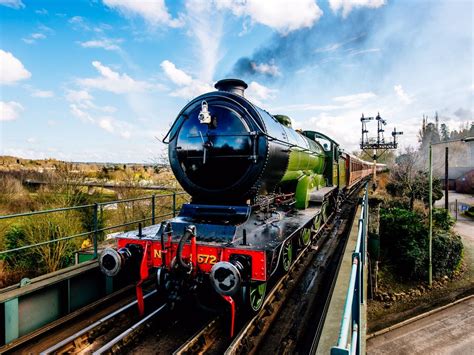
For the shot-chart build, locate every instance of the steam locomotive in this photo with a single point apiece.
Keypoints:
(260, 192)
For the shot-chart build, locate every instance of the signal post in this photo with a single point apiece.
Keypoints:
(378, 146)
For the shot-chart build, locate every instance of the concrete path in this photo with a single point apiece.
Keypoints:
(464, 225)
(449, 331)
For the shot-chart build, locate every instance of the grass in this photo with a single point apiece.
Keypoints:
(384, 314)
(15, 197)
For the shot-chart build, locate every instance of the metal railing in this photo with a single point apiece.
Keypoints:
(351, 318)
(98, 210)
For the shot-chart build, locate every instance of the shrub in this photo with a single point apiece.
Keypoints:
(470, 212)
(403, 240)
(447, 253)
(401, 202)
(37, 229)
(404, 243)
(56, 255)
(21, 260)
(442, 219)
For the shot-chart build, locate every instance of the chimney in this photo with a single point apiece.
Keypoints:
(234, 86)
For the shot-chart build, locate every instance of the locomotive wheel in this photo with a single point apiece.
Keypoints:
(317, 223)
(305, 237)
(324, 212)
(254, 295)
(287, 255)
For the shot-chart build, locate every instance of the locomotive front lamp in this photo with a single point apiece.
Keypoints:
(204, 114)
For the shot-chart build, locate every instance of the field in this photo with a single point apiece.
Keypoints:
(37, 185)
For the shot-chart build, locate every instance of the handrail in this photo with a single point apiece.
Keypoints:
(63, 209)
(350, 324)
(96, 230)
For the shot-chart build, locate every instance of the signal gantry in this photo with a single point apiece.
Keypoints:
(376, 147)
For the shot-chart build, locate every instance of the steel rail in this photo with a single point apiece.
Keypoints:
(200, 338)
(121, 336)
(246, 330)
(83, 331)
(322, 245)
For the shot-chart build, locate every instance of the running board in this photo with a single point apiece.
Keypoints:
(318, 196)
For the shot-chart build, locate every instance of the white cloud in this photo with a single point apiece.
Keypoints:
(257, 92)
(177, 76)
(355, 97)
(111, 125)
(45, 29)
(112, 81)
(342, 127)
(81, 113)
(402, 95)
(206, 39)
(108, 44)
(330, 47)
(9, 111)
(31, 140)
(83, 107)
(343, 103)
(43, 94)
(306, 107)
(12, 70)
(108, 109)
(42, 12)
(282, 15)
(196, 88)
(106, 123)
(36, 36)
(153, 12)
(354, 100)
(81, 101)
(267, 69)
(188, 87)
(80, 98)
(334, 46)
(347, 5)
(353, 52)
(16, 4)
(78, 22)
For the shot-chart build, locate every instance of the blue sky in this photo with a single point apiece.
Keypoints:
(102, 80)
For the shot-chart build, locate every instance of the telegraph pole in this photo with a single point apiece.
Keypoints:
(430, 201)
(446, 179)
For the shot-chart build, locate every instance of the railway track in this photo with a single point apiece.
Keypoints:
(281, 323)
(290, 306)
(211, 336)
(293, 294)
(84, 328)
(87, 338)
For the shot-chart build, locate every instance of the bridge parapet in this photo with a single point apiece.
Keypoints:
(30, 304)
(351, 324)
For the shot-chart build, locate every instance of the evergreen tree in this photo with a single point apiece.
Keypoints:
(444, 132)
(428, 134)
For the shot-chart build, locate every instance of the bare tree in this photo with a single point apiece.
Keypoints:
(409, 179)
